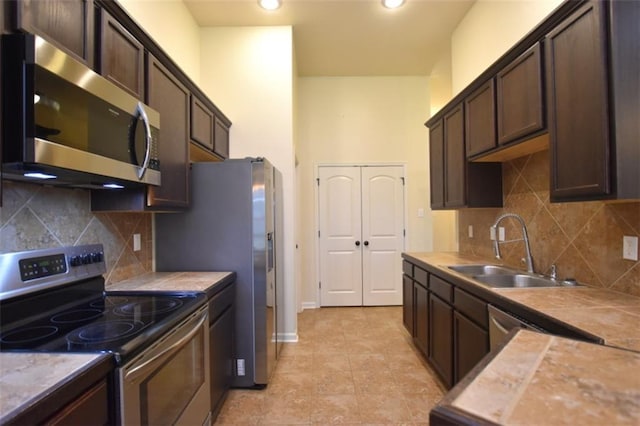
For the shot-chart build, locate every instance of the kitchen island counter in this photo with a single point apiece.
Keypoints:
(35, 385)
(543, 379)
(206, 282)
(600, 312)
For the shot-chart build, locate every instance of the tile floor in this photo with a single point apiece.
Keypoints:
(350, 366)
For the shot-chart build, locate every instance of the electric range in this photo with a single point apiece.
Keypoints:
(54, 300)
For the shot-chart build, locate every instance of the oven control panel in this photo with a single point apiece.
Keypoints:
(45, 266)
(34, 270)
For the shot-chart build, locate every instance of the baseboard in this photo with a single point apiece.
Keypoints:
(288, 337)
(309, 305)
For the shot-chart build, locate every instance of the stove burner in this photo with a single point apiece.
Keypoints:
(148, 307)
(31, 334)
(104, 331)
(76, 316)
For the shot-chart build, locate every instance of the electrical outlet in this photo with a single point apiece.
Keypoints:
(630, 248)
(470, 231)
(136, 242)
(492, 233)
(501, 234)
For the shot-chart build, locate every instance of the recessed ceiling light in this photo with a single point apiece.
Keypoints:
(392, 4)
(270, 4)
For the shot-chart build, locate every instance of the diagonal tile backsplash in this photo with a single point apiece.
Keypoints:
(35, 216)
(584, 239)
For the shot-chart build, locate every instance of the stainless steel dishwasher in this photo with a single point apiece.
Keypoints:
(501, 323)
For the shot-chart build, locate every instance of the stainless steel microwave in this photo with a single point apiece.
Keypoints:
(65, 124)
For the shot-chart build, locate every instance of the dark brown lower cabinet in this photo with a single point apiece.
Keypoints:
(421, 324)
(90, 407)
(471, 344)
(441, 339)
(407, 304)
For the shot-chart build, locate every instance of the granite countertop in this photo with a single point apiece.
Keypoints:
(175, 281)
(543, 379)
(27, 378)
(600, 312)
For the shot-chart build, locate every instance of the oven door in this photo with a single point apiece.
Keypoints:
(169, 382)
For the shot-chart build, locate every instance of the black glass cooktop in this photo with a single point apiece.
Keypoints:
(119, 323)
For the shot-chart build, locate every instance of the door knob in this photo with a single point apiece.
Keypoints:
(357, 243)
(366, 243)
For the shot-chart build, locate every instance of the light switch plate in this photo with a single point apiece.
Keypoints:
(501, 235)
(420, 212)
(630, 248)
(470, 231)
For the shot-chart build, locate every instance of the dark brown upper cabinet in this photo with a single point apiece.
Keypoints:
(202, 123)
(68, 24)
(221, 138)
(593, 63)
(121, 56)
(456, 182)
(171, 99)
(454, 158)
(519, 97)
(480, 119)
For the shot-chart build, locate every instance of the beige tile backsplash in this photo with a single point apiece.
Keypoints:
(584, 239)
(35, 216)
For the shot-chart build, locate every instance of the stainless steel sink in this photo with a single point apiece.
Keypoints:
(482, 270)
(495, 276)
(516, 281)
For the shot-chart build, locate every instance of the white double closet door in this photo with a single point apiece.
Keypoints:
(361, 235)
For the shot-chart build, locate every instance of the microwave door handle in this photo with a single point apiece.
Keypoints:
(139, 370)
(147, 130)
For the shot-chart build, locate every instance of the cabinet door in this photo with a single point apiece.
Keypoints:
(90, 407)
(202, 123)
(471, 343)
(221, 355)
(69, 24)
(436, 165)
(421, 334)
(121, 56)
(578, 99)
(520, 103)
(441, 339)
(480, 119)
(455, 159)
(171, 99)
(407, 303)
(221, 139)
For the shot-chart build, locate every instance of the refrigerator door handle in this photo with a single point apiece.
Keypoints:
(269, 251)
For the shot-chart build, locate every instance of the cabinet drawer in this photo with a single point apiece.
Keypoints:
(407, 268)
(219, 303)
(472, 307)
(420, 275)
(442, 288)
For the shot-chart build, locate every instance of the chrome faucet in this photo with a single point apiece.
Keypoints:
(496, 243)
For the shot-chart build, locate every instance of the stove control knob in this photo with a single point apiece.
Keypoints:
(75, 261)
(96, 257)
(86, 259)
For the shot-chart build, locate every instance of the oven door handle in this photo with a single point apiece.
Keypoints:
(132, 374)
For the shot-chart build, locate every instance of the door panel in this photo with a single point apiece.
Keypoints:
(361, 235)
(340, 257)
(382, 228)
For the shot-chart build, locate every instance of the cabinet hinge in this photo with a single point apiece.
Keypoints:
(318, 233)
(319, 284)
(404, 232)
(318, 181)
(402, 180)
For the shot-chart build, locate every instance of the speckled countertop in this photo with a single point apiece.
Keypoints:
(174, 281)
(603, 313)
(542, 379)
(26, 378)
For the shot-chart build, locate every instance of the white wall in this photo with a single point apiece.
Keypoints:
(248, 73)
(361, 120)
(171, 25)
(488, 30)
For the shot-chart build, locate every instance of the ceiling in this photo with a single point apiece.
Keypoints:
(350, 37)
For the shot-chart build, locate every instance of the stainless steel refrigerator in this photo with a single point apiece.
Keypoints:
(234, 223)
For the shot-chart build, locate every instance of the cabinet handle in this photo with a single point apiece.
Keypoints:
(357, 243)
(366, 243)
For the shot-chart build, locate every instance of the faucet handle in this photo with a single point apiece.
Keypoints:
(554, 272)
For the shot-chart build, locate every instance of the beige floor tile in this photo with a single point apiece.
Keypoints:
(351, 366)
